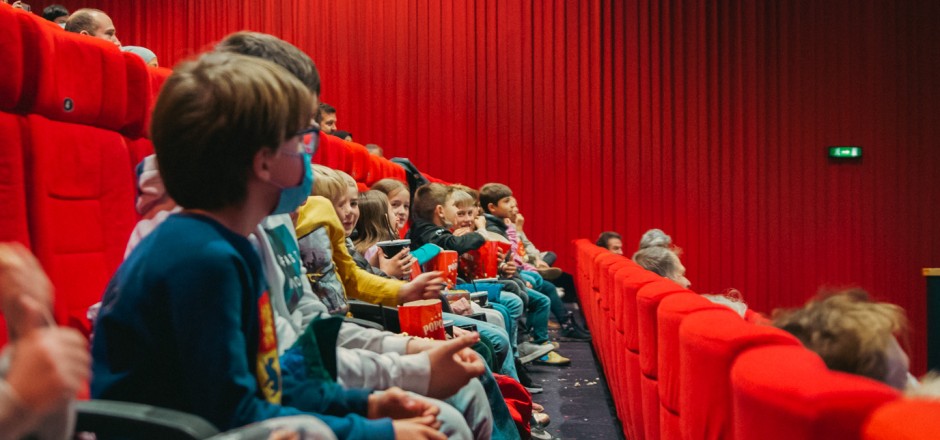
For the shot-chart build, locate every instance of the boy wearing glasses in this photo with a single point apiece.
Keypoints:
(186, 322)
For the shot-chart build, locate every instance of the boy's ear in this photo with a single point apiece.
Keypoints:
(490, 207)
(261, 164)
(439, 211)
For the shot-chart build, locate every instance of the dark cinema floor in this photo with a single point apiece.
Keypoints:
(576, 397)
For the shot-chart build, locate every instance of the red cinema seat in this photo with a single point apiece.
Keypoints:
(672, 311)
(709, 343)
(14, 224)
(786, 392)
(904, 419)
(631, 285)
(16, 87)
(647, 302)
(80, 79)
(80, 202)
(359, 161)
(139, 97)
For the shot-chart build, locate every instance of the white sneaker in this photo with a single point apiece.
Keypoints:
(529, 351)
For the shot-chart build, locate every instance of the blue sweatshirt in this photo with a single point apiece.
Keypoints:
(186, 324)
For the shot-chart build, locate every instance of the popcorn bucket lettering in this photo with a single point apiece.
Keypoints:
(422, 318)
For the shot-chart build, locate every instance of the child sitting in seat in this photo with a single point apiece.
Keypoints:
(498, 206)
(400, 199)
(193, 330)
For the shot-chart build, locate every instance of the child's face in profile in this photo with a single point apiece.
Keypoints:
(458, 217)
(347, 209)
(502, 209)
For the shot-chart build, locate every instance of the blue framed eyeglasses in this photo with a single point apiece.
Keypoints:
(310, 146)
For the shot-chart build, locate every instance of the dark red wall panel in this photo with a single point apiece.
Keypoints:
(707, 119)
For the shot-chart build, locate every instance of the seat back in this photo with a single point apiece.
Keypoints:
(672, 311)
(908, 419)
(786, 392)
(709, 343)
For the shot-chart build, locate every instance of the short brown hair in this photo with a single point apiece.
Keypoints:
(212, 117)
(849, 331)
(493, 193)
(427, 198)
(276, 51)
(603, 240)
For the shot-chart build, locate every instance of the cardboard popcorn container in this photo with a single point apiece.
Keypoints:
(422, 318)
(446, 263)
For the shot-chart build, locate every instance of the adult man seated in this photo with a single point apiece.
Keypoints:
(611, 241)
(93, 22)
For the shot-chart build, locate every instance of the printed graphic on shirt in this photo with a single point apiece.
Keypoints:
(288, 259)
(316, 253)
(268, 369)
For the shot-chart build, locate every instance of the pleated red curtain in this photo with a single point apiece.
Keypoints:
(707, 119)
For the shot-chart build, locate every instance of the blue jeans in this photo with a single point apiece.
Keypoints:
(548, 289)
(497, 336)
(537, 316)
(504, 302)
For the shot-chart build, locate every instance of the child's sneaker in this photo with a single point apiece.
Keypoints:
(553, 359)
(525, 380)
(530, 351)
(572, 331)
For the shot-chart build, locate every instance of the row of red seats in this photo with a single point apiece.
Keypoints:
(682, 367)
(74, 112)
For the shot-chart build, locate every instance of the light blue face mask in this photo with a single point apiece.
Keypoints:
(292, 197)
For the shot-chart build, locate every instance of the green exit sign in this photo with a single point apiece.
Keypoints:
(845, 152)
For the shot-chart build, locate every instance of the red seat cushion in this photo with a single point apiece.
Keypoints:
(786, 392)
(81, 210)
(709, 342)
(11, 58)
(904, 419)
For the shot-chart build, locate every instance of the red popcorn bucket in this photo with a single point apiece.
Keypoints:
(415, 269)
(446, 263)
(487, 264)
(422, 318)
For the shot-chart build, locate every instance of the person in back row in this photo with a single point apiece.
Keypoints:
(94, 23)
(853, 334)
(611, 241)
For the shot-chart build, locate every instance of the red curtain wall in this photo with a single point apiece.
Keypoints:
(709, 120)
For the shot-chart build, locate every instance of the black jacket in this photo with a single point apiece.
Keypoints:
(495, 224)
(423, 232)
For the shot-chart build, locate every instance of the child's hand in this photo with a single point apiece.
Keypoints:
(48, 367)
(426, 286)
(480, 223)
(398, 266)
(462, 231)
(453, 364)
(520, 220)
(25, 291)
(509, 269)
(419, 428)
(397, 404)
